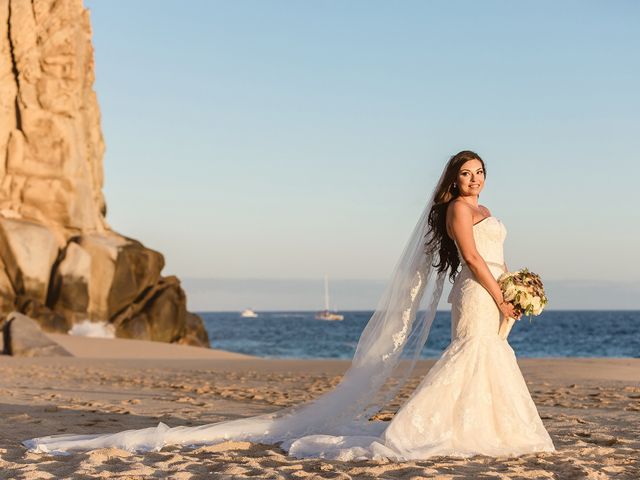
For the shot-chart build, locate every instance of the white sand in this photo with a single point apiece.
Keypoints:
(88, 347)
(591, 408)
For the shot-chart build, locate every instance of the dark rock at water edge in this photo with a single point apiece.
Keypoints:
(196, 335)
(160, 315)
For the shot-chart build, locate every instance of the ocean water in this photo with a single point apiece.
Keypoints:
(560, 333)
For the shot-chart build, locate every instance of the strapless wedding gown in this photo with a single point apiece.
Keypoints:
(474, 400)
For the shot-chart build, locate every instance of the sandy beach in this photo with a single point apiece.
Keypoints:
(591, 408)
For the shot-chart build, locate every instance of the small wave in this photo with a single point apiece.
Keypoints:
(87, 328)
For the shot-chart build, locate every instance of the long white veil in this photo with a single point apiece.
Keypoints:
(386, 353)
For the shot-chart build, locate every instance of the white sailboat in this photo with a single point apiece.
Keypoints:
(327, 314)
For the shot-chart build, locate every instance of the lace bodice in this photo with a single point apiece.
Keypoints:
(489, 235)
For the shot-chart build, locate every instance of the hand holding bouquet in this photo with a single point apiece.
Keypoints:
(525, 291)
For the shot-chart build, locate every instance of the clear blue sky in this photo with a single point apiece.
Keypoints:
(286, 139)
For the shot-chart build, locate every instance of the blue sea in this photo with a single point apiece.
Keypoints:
(560, 333)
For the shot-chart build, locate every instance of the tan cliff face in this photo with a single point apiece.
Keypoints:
(60, 262)
(51, 144)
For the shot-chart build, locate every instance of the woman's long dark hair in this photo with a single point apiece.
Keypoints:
(439, 241)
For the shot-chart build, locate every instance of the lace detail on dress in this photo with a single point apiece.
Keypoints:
(408, 313)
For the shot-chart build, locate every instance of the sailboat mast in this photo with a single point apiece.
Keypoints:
(326, 292)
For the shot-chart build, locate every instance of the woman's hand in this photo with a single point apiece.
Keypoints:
(509, 310)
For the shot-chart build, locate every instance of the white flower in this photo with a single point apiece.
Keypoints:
(537, 306)
(535, 302)
(503, 276)
(525, 299)
(510, 292)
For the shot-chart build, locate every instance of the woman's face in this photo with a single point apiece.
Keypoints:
(470, 177)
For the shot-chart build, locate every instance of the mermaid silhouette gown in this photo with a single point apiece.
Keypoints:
(473, 400)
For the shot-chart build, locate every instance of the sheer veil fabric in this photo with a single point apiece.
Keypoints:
(386, 354)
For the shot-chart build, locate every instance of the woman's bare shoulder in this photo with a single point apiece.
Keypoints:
(486, 210)
(456, 206)
(458, 209)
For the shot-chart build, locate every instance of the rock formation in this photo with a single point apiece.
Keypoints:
(22, 337)
(60, 262)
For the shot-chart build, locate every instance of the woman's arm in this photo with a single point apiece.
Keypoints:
(461, 224)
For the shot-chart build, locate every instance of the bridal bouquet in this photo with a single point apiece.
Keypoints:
(525, 291)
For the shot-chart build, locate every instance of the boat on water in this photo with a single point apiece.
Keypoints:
(248, 313)
(327, 314)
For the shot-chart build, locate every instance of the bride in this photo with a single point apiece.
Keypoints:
(473, 400)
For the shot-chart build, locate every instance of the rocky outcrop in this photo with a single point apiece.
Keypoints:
(23, 338)
(28, 253)
(51, 134)
(7, 293)
(60, 261)
(69, 291)
(159, 315)
(195, 333)
(49, 320)
(121, 270)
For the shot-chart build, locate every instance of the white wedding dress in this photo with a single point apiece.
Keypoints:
(474, 400)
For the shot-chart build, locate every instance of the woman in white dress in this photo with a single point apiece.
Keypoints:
(473, 401)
